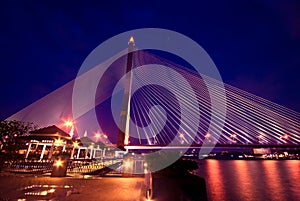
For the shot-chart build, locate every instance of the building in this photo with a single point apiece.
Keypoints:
(45, 143)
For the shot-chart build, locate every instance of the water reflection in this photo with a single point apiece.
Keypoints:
(251, 180)
(242, 171)
(214, 180)
(273, 180)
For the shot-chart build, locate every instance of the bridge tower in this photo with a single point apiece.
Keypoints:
(123, 133)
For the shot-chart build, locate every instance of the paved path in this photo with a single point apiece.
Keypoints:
(72, 189)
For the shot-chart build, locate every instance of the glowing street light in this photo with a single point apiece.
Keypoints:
(58, 163)
(75, 144)
(97, 136)
(70, 124)
(58, 142)
(127, 164)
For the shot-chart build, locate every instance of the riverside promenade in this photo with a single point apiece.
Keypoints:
(27, 187)
(30, 187)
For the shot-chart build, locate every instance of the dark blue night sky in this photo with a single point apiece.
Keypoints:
(255, 44)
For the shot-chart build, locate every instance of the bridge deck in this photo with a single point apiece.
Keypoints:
(199, 146)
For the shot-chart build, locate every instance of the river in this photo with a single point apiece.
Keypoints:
(251, 180)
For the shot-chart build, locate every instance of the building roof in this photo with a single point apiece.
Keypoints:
(87, 142)
(49, 131)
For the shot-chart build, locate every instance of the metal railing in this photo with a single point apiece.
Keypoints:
(42, 167)
(34, 167)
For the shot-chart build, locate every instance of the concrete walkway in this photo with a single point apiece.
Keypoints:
(13, 187)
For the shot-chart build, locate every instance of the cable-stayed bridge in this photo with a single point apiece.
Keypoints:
(249, 119)
(171, 105)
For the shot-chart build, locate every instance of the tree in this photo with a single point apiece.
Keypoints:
(9, 132)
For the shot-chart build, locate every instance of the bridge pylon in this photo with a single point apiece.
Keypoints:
(123, 133)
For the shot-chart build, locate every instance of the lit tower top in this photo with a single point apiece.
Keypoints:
(131, 40)
(130, 57)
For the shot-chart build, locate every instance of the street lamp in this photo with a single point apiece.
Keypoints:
(70, 124)
(58, 163)
(97, 136)
(127, 164)
(58, 142)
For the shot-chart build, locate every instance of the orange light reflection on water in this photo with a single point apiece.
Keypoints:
(245, 187)
(215, 180)
(274, 180)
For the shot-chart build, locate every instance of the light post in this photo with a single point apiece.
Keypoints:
(70, 124)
